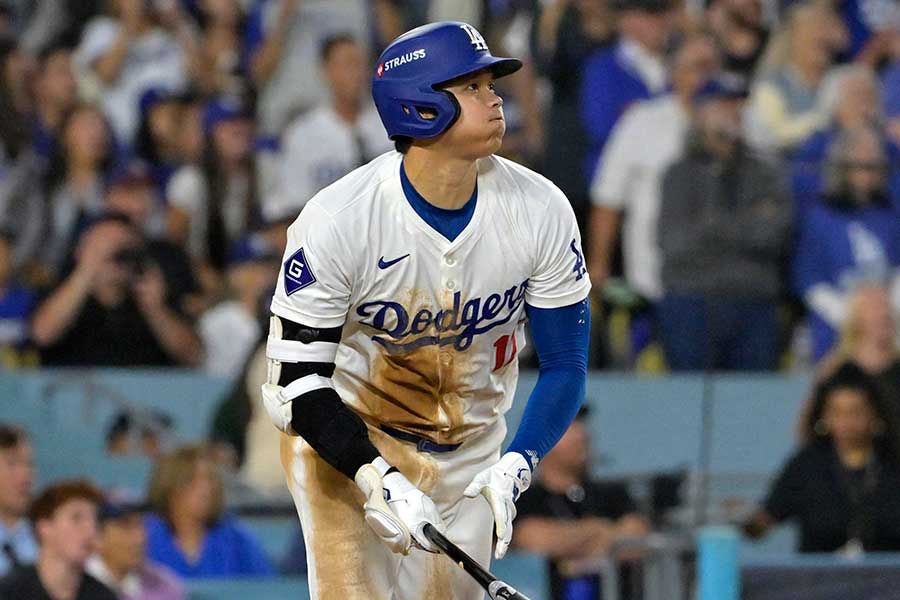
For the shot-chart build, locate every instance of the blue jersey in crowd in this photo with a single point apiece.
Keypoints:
(16, 304)
(843, 248)
(609, 85)
(229, 550)
(808, 164)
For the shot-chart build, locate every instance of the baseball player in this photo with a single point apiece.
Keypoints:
(396, 324)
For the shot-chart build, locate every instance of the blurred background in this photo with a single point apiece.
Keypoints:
(734, 166)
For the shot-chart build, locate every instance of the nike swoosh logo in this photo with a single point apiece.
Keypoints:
(384, 264)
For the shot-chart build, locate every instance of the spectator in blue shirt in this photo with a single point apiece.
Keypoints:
(631, 70)
(851, 238)
(16, 305)
(853, 96)
(18, 546)
(189, 531)
(891, 86)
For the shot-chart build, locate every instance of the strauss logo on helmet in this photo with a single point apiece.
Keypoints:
(400, 60)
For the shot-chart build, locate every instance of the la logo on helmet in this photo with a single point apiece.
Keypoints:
(474, 37)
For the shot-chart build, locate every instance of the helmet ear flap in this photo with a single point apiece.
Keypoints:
(457, 110)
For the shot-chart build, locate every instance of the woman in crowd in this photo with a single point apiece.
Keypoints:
(223, 25)
(76, 183)
(785, 107)
(213, 204)
(189, 531)
(849, 239)
(843, 486)
(852, 97)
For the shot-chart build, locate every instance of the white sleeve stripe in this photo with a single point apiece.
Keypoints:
(306, 384)
(294, 351)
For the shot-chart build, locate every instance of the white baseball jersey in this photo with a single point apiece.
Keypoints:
(320, 148)
(431, 327)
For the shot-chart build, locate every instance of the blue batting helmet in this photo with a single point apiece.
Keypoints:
(410, 70)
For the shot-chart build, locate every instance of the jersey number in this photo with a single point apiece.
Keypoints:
(504, 351)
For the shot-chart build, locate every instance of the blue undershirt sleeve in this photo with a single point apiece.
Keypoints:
(561, 337)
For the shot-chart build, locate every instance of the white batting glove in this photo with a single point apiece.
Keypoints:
(396, 510)
(501, 485)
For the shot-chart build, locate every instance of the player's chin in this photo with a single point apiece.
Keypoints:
(495, 135)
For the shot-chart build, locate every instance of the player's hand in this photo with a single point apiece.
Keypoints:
(501, 485)
(396, 510)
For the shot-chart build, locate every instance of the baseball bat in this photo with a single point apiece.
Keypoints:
(496, 589)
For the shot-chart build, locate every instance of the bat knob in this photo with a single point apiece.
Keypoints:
(499, 590)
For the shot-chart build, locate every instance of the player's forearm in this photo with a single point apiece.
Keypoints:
(335, 432)
(301, 364)
(561, 337)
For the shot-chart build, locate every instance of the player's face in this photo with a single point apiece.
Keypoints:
(479, 130)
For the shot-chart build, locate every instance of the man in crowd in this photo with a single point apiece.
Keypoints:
(112, 309)
(572, 519)
(723, 229)
(627, 181)
(121, 561)
(64, 516)
(341, 134)
(633, 69)
(17, 544)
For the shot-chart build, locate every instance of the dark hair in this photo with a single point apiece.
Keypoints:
(121, 425)
(332, 42)
(403, 144)
(15, 131)
(58, 163)
(11, 436)
(216, 183)
(51, 50)
(57, 494)
(850, 376)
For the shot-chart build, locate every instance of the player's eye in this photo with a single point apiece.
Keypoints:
(473, 87)
(492, 86)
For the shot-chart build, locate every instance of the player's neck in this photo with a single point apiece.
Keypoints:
(444, 182)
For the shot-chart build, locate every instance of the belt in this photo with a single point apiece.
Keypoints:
(422, 444)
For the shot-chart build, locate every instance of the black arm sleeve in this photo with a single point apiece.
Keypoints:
(334, 431)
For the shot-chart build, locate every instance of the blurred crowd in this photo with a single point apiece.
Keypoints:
(733, 165)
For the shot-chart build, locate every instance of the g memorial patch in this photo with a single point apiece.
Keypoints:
(297, 273)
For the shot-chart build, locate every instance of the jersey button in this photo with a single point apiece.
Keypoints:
(446, 358)
(451, 285)
(450, 261)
